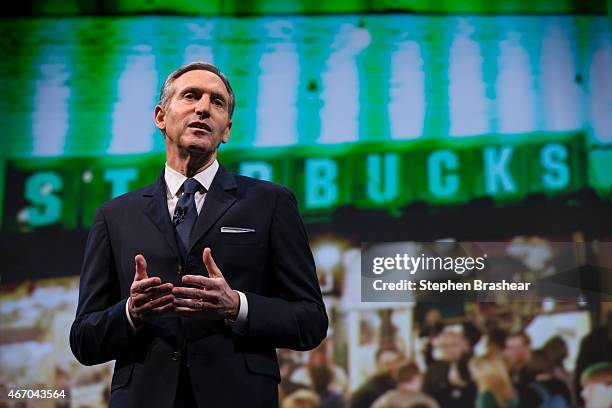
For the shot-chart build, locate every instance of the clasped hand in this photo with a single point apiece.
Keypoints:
(209, 297)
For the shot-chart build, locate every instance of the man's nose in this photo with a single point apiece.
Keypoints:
(203, 105)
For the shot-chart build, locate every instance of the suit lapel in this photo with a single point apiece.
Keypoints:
(219, 199)
(156, 207)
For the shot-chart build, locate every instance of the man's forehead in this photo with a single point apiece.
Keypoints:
(200, 79)
(515, 341)
(387, 355)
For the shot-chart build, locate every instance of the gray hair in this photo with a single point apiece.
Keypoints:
(165, 93)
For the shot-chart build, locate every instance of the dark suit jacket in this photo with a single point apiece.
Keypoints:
(273, 266)
(439, 387)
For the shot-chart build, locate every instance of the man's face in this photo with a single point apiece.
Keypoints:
(516, 351)
(597, 395)
(196, 119)
(451, 347)
(387, 362)
(418, 381)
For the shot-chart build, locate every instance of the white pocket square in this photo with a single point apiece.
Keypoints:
(236, 230)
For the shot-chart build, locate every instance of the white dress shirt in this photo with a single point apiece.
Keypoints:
(174, 182)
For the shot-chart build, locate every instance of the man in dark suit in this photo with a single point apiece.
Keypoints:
(191, 283)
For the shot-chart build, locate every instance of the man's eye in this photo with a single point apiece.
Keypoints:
(218, 101)
(189, 95)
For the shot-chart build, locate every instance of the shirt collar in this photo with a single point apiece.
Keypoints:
(174, 179)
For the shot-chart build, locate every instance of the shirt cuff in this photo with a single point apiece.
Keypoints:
(127, 314)
(239, 325)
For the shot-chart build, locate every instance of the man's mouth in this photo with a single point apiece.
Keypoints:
(200, 125)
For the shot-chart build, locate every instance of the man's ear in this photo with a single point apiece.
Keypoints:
(226, 132)
(160, 117)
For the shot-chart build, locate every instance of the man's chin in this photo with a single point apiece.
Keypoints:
(201, 150)
(197, 143)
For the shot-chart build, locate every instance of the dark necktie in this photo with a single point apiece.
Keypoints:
(186, 214)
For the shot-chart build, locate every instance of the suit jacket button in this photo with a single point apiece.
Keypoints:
(179, 269)
(176, 355)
